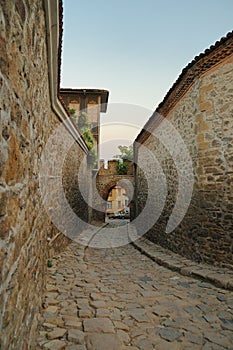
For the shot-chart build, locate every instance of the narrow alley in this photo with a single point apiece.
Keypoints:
(112, 299)
(116, 175)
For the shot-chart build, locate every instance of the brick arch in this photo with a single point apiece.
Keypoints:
(108, 178)
(104, 188)
(107, 189)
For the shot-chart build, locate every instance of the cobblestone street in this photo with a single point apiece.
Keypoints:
(112, 299)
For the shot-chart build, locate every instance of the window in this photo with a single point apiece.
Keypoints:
(119, 204)
(119, 192)
(109, 205)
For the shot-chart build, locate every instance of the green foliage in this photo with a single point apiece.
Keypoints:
(73, 114)
(85, 129)
(126, 153)
(122, 168)
(72, 111)
(89, 138)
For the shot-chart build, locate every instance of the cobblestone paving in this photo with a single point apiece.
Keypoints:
(113, 299)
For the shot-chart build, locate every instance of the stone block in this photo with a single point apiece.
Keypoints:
(103, 342)
(76, 336)
(101, 325)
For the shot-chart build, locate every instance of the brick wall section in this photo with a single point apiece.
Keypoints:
(203, 115)
(26, 123)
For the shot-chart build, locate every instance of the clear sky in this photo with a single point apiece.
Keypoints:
(136, 49)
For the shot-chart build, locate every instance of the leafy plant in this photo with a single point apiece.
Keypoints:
(72, 111)
(122, 168)
(126, 153)
(85, 129)
(89, 138)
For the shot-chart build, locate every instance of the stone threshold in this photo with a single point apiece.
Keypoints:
(220, 277)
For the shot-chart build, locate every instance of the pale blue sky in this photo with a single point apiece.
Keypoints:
(136, 49)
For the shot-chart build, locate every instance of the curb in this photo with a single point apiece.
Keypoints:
(220, 277)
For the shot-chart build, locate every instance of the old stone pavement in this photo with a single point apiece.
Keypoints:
(113, 299)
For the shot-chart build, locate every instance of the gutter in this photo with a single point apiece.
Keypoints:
(52, 27)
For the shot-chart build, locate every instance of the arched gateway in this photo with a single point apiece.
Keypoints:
(107, 178)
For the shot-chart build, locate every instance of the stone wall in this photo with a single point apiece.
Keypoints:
(203, 116)
(77, 177)
(26, 124)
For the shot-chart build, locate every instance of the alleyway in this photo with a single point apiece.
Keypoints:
(112, 299)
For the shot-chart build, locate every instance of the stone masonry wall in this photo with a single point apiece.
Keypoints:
(26, 123)
(77, 177)
(204, 118)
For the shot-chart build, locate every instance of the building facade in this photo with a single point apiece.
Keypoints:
(92, 102)
(117, 200)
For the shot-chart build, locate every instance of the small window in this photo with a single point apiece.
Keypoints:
(109, 205)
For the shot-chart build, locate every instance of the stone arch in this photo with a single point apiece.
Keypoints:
(108, 178)
(108, 188)
(105, 183)
(104, 191)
